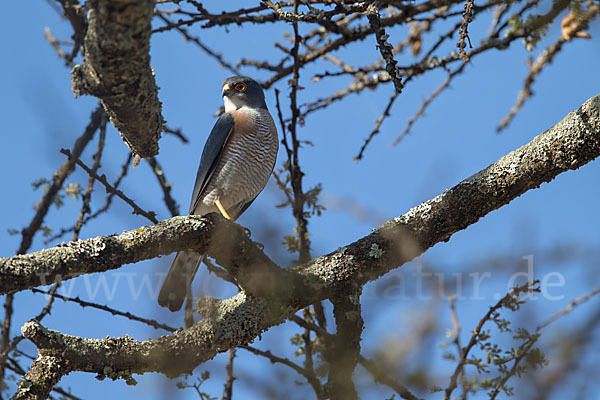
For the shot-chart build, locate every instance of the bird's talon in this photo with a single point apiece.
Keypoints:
(240, 227)
(259, 245)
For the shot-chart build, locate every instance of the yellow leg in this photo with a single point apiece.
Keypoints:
(226, 215)
(222, 209)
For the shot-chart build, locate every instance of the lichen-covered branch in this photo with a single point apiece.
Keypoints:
(277, 294)
(117, 70)
(43, 375)
(386, 49)
(101, 254)
(344, 351)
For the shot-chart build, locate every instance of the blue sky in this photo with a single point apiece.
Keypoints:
(455, 139)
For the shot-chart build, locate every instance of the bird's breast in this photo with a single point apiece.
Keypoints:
(246, 161)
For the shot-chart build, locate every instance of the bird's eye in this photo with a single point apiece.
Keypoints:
(241, 87)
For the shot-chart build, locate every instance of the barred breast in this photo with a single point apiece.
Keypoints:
(246, 162)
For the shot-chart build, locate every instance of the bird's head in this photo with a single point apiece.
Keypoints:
(239, 91)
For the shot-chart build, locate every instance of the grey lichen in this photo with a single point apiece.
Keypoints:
(108, 372)
(375, 251)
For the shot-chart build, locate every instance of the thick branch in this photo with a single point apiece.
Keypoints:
(43, 375)
(117, 70)
(102, 253)
(345, 350)
(278, 294)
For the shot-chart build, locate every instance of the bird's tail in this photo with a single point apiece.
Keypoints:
(182, 271)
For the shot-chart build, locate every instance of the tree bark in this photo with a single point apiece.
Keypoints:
(116, 69)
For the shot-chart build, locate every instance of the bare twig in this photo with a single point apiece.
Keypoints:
(151, 215)
(58, 180)
(188, 313)
(87, 196)
(220, 272)
(456, 332)
(574, 303)
(463, 32)
(312, 380)
(204, 47)
(126, 314)
(524, 350)
(228, 391)
(380, 376)
(55, 45)
(544, 59)
(427, 102)
(104, 208)
(164, 185)
(375, 130)
(175, 132)
(75, 14)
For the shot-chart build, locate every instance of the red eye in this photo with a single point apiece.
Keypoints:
(241, 87)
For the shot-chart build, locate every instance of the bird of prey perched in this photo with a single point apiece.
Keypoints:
(236, 163)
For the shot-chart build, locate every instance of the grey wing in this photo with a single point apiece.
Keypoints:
(211, 154)
(238, 209)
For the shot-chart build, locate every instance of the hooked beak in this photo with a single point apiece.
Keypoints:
(226, 89)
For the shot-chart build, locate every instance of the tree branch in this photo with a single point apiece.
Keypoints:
(344, 353)
(228, 391)
(151, 215)
(386, 49)
(309, 376)
(43, 375)
(58, 179)
(117, 70)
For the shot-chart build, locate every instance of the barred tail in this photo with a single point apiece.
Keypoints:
(182, 271)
